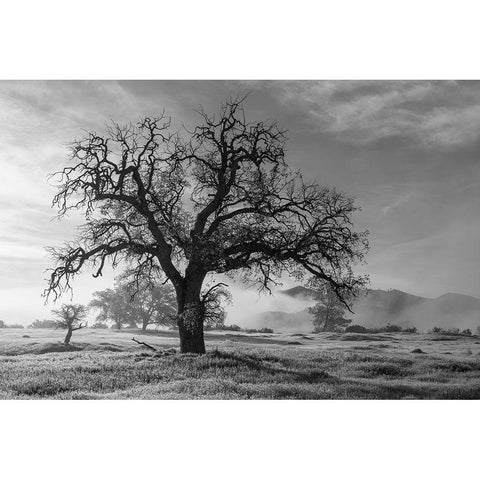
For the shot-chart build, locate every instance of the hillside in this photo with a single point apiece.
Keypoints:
(299, 292)
(376, 308)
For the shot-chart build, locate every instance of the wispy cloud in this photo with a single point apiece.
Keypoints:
(397, 203)
(431, 114)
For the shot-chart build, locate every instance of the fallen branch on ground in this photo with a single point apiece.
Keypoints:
(146, 344)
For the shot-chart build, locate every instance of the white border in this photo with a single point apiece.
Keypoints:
(248, 39)
(370, 440)
(151, 39)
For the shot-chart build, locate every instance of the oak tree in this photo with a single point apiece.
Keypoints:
(329, 309)
(135, 301)
(219, 199)
(70, 317)
(112, 306)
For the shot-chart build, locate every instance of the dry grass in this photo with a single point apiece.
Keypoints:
(105, 364)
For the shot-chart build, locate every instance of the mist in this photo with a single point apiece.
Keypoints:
(450, 310)
(248, 306)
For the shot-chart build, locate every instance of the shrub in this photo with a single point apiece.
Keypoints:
(455, 331)
(99, 325)
(356, 329)
(232, 328)
(387, 329)
(14, 325)
(266, 330)
(451, 331)
(392, 328)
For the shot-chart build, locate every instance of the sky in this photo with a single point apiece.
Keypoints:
(408, 151)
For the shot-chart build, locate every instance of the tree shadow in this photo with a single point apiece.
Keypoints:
(273, 366)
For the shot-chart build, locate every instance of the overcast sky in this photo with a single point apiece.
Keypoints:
(407, 151)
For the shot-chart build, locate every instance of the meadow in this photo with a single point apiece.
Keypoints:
(107, 364)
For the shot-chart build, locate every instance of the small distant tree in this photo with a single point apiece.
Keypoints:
(70, 317)
(99, 326)
(150, 300)
(329, 309)
(112, 307)
(136, 301)
(2, 324)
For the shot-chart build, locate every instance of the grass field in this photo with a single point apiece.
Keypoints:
(105, 364)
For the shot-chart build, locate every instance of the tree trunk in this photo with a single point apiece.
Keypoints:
(325, 325)
(145, 323)
(68, 336)
(191, 315)
(190, 329)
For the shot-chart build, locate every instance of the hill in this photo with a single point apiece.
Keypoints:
(377, 308)
(298, 292)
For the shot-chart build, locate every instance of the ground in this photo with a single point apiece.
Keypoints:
(105, 364)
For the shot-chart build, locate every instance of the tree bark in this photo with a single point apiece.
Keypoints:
(325, 325)
(191, 315)
(191, 331)
(145, 322)
(68, 336)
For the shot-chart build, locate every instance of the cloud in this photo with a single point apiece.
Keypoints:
(397, 203)
(431, 114)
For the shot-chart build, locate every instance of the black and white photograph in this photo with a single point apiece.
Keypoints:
(240, 239)
(239, 243)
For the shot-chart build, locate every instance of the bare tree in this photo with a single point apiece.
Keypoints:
(70, 317)
(217, 200)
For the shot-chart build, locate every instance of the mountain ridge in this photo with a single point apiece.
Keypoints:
(300, 290)
(376, 308)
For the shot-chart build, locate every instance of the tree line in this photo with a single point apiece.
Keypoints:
(133, 303)
(137, 303)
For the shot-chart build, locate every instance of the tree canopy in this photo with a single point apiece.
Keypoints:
(219, 199)
(136, 301)
(70, 317)
(329, 309)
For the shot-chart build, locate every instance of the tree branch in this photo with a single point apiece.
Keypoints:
(145, 344)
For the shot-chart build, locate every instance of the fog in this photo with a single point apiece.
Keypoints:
(283, 313)
(247, 306)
